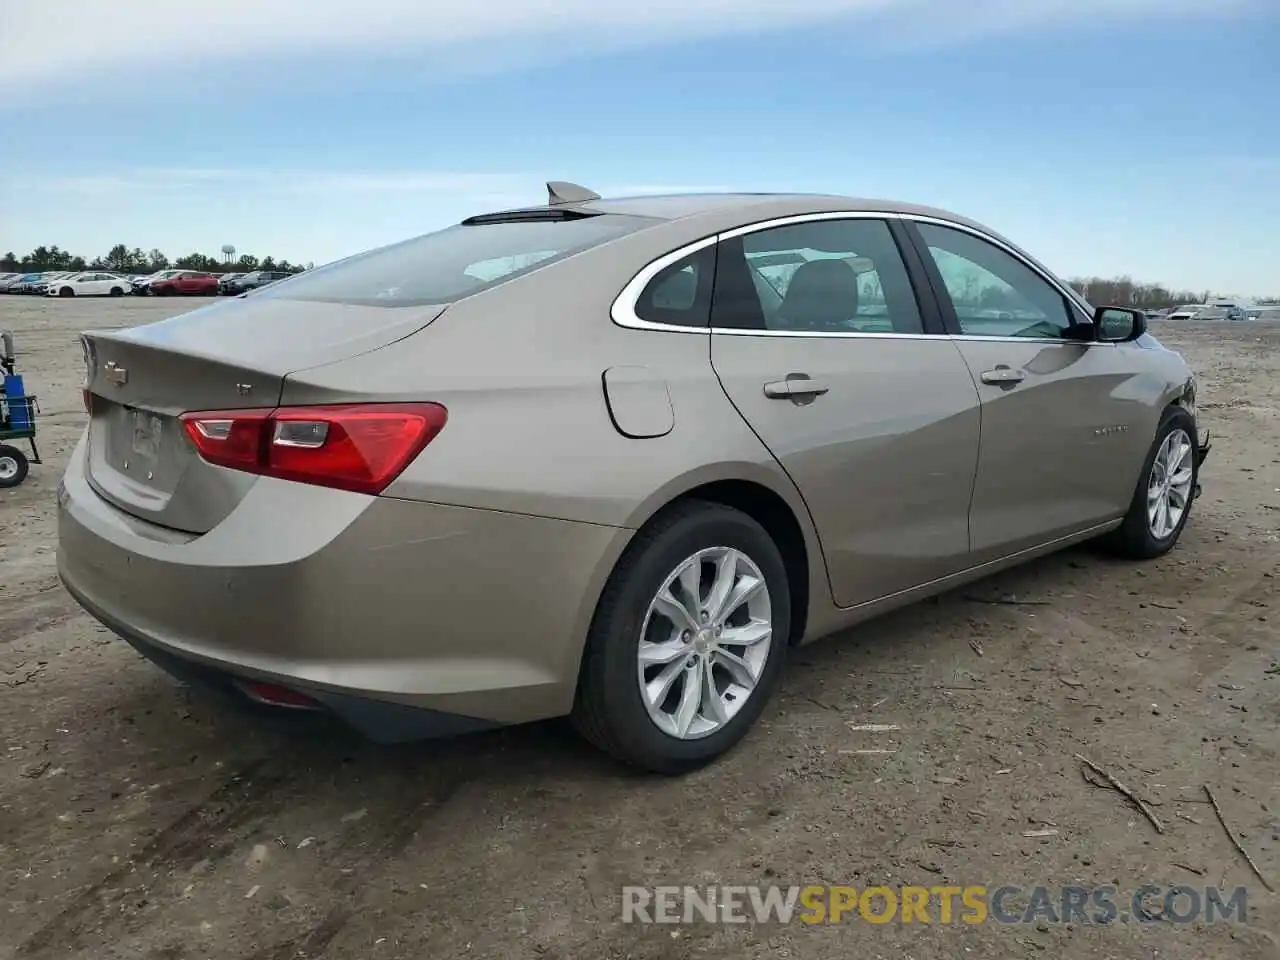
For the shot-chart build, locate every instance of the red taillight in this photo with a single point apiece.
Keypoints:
(87, 395)
(358, 447)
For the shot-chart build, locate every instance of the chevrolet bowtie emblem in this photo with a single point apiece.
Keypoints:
(116, 373)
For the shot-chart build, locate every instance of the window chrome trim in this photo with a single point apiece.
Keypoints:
(798, 218)
(623, 310)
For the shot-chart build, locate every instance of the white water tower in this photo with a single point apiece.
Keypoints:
(228, 253)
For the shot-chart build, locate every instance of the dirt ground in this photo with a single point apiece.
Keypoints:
(139, 820)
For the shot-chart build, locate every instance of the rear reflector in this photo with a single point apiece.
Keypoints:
(277, 696)
(357, 447)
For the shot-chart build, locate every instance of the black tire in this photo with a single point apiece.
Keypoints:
(1134, 538)
(66, 292)
(117, 292)
(609, 710)
(13, 466)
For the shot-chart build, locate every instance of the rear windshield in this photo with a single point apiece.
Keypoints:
(452, 263)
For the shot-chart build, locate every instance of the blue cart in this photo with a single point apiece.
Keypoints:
(18, 411)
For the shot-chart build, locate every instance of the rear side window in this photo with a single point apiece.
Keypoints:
(680, 294)
(452, 263)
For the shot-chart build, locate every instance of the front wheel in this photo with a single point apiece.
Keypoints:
(1162, 502)
(117, 292)
(13, 466)
(688, 640)
(66, 292)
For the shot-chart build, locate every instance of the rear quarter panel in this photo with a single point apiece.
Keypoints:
(520, 370)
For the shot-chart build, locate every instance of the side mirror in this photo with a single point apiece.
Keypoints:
(1119, 324)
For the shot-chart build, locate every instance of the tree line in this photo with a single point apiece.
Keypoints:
(1126, 292)
(120, 259)
(1118, 291)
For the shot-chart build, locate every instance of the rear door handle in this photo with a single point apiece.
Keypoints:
(795, 386)
(1003, 375)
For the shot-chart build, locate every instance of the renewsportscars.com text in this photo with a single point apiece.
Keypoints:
(972, 904)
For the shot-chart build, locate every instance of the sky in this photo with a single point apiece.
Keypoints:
(1107, 137)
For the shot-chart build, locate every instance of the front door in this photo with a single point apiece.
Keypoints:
(819, 341)
(1063, 427)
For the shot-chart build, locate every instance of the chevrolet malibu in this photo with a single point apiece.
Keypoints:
(611, 459)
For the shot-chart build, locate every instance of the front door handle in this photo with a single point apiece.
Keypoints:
(796, 386)
(1003, 375)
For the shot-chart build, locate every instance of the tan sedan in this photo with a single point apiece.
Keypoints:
(606, 458)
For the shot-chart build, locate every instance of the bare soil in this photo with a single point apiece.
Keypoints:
(140, 820)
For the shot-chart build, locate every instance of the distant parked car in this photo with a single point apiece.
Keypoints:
(89, 284)
(7, 278)
(1198, 311)
(45, 279)
(185, 283)
(16, 284)
(142, 285)
(225, 282)
(259, 278)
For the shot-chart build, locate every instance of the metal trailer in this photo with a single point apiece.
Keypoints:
(18, 411)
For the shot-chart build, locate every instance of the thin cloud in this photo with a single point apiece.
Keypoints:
(500, 187)
(179, 179)
(48, 43)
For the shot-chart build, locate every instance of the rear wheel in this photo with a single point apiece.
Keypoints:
(688, 640)
(66, 292)
(1162, 502)
(13, 466)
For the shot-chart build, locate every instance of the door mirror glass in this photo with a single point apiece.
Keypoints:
(1119, 324)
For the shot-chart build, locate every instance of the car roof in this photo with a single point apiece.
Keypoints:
(721, 211)
(677, 206)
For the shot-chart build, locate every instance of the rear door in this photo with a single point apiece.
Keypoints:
(820, 341)
(1063, 425)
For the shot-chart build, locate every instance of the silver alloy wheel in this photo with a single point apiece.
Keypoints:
(8, 468)
(704, 642)
(1169, 486)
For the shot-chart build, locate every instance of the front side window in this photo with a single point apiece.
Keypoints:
(456, 262)
(994, 293)
(819, 276)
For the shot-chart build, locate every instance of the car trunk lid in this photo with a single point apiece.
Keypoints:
(231, 355)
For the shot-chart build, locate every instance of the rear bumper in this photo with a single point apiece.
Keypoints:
(378, 720)
(375, 607)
